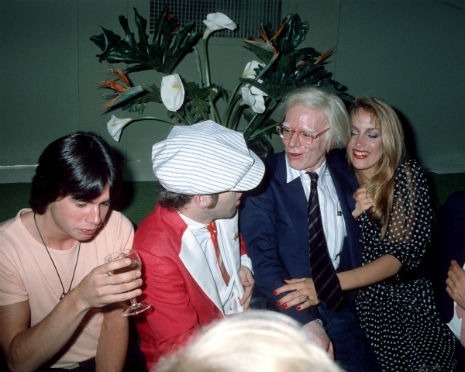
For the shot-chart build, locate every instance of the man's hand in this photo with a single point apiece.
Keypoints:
(318, 334)
(99, 288)
(248, 283)
(301, 294)
(456, 283)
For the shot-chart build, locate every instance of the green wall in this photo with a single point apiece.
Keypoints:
(408, 52)
(412, 54)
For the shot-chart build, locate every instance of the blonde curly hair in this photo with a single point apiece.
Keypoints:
(381, 186)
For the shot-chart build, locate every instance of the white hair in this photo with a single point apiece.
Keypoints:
(257, 340)
(330, 105)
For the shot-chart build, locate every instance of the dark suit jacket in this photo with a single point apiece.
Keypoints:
(273, 222)
(450, 245)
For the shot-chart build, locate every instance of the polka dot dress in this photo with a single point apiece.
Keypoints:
(399, 316)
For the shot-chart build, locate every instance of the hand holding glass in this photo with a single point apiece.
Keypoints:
(136, 307)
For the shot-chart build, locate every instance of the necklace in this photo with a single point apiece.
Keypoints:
(63, 293)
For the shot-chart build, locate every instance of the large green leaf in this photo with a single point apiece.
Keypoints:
(292, 35)
(169, 45)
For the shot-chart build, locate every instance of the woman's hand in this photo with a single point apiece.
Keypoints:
(301, 294)
(363, 201)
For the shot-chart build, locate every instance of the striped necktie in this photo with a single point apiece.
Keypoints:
(324, 276)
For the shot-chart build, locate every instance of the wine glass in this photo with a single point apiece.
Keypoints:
(135, 307)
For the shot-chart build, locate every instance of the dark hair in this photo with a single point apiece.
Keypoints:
(173, 200)
(78, 165)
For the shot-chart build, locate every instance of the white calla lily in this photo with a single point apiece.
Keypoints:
(251, 95)
(172, 92)
(116, 125)
(254, 97)
(249, 70)
(218, 21)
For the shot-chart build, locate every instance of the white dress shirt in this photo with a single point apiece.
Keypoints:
(202, 235)
(331, 213)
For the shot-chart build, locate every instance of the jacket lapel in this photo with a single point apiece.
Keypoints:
(228, 239)
(194, 260)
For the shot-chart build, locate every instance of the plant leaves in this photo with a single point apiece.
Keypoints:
(169, 45)
(286, 67)
(139, 94)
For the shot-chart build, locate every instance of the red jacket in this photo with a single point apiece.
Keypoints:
(177, 280)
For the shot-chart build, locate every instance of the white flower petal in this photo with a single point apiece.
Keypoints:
(219, 21)
(259, 104)
(257, 92)
(254, 98)
(115, 126)
(249, 70)
(172, 92)
(247, 96)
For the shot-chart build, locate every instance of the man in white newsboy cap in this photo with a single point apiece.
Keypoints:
(196, 267)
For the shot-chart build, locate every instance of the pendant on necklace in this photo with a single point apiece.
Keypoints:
(63, 293)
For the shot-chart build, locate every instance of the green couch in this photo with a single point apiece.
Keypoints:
(140, 197)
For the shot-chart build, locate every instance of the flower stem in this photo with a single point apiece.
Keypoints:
(199, 65)
(207, 62)
(152, 118)
(257, 133)
(236, 114)
(213, 111)
(231, 103)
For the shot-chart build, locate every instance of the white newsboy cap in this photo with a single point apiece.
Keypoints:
(205, 158)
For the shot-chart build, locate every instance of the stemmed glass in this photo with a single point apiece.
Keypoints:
(135, 307)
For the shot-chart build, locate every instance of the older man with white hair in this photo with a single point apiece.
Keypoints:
(195, 263)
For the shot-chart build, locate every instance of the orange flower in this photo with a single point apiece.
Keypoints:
(119, 84)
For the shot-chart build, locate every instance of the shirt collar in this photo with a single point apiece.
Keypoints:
(292, 174)
(192, 225)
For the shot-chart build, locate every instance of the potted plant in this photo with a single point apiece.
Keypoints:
(278, 66)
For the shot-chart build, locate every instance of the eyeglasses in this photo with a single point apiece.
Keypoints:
(305, 136)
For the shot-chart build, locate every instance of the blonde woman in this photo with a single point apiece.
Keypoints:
(393, 208)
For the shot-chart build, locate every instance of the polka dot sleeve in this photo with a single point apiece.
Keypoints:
(409, 229)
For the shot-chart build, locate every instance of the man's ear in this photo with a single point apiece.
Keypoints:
(202, 200)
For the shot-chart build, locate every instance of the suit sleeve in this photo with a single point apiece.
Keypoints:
(258, 224)
(173, 319)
